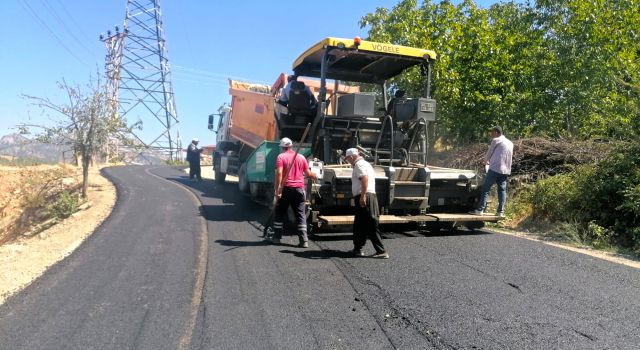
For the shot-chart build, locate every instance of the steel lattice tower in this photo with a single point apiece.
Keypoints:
(139, 77)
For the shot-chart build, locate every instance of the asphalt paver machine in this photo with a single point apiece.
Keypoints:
(392, 134)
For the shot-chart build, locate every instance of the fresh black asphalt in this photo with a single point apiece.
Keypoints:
(130, 285)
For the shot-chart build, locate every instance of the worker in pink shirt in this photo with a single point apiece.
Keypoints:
(290, 191)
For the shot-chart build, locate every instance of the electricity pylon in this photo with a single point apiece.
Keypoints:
(139, 78)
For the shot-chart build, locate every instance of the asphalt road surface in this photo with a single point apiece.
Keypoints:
(168, 270)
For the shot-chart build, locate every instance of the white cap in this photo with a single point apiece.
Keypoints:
(286, 142)
(351, 152)
(195, 139)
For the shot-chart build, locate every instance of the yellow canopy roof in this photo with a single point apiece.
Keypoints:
(368, 62)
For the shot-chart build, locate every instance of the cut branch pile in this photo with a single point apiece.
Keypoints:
(533, 158)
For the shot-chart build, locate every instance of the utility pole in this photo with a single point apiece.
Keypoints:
(139, 78)
(113, 61)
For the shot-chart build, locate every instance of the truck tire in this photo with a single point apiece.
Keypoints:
(254, 190)
(220, 176)
(243, 183)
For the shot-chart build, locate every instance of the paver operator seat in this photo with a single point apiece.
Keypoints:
(300, 102)
(301, 108)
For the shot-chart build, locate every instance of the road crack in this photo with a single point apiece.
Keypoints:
(590, 337)
(403, 318)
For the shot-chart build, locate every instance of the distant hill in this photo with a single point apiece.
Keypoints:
(16, 146)
(19, 146)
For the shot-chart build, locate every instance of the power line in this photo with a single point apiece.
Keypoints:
(54, 14)
(226, 76)
(64, 9)
(35, 15)
(210, 83)
(197, 76)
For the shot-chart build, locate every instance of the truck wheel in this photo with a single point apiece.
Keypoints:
(243, 184)
(254, 189)
(220, 176)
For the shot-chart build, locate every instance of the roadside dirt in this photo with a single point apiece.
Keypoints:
(25, 258)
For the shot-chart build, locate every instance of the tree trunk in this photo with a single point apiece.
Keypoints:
(86, 160)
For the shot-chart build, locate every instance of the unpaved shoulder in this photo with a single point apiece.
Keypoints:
(27, 258)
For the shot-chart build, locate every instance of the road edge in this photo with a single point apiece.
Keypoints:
(599, 254)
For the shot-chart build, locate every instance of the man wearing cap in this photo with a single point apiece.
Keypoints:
(498, 163)
(193, 157)
(289, 191)
(365, 222)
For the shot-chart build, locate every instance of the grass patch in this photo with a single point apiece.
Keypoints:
(65, 204)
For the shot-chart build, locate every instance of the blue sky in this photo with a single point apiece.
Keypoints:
(44, 41)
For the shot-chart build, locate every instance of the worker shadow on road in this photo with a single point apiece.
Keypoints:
(320, 254)
(433, 233)
(240, 244)
(335, 235)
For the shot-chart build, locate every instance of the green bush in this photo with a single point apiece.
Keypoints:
(603, 199)
(565, 196)
(550, 197)
(65, 205)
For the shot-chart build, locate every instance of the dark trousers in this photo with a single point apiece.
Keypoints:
(194, 170)
(365, 224)
(294, 197)
(501, 181)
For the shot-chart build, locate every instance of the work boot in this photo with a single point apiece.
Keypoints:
(383, 255)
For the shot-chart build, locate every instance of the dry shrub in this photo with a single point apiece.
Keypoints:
(28, 194)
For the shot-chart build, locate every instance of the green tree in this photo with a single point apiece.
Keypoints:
(483, 66)
(595, 48)
(555, 68)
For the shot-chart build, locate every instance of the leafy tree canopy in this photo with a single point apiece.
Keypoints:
(567, 68)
